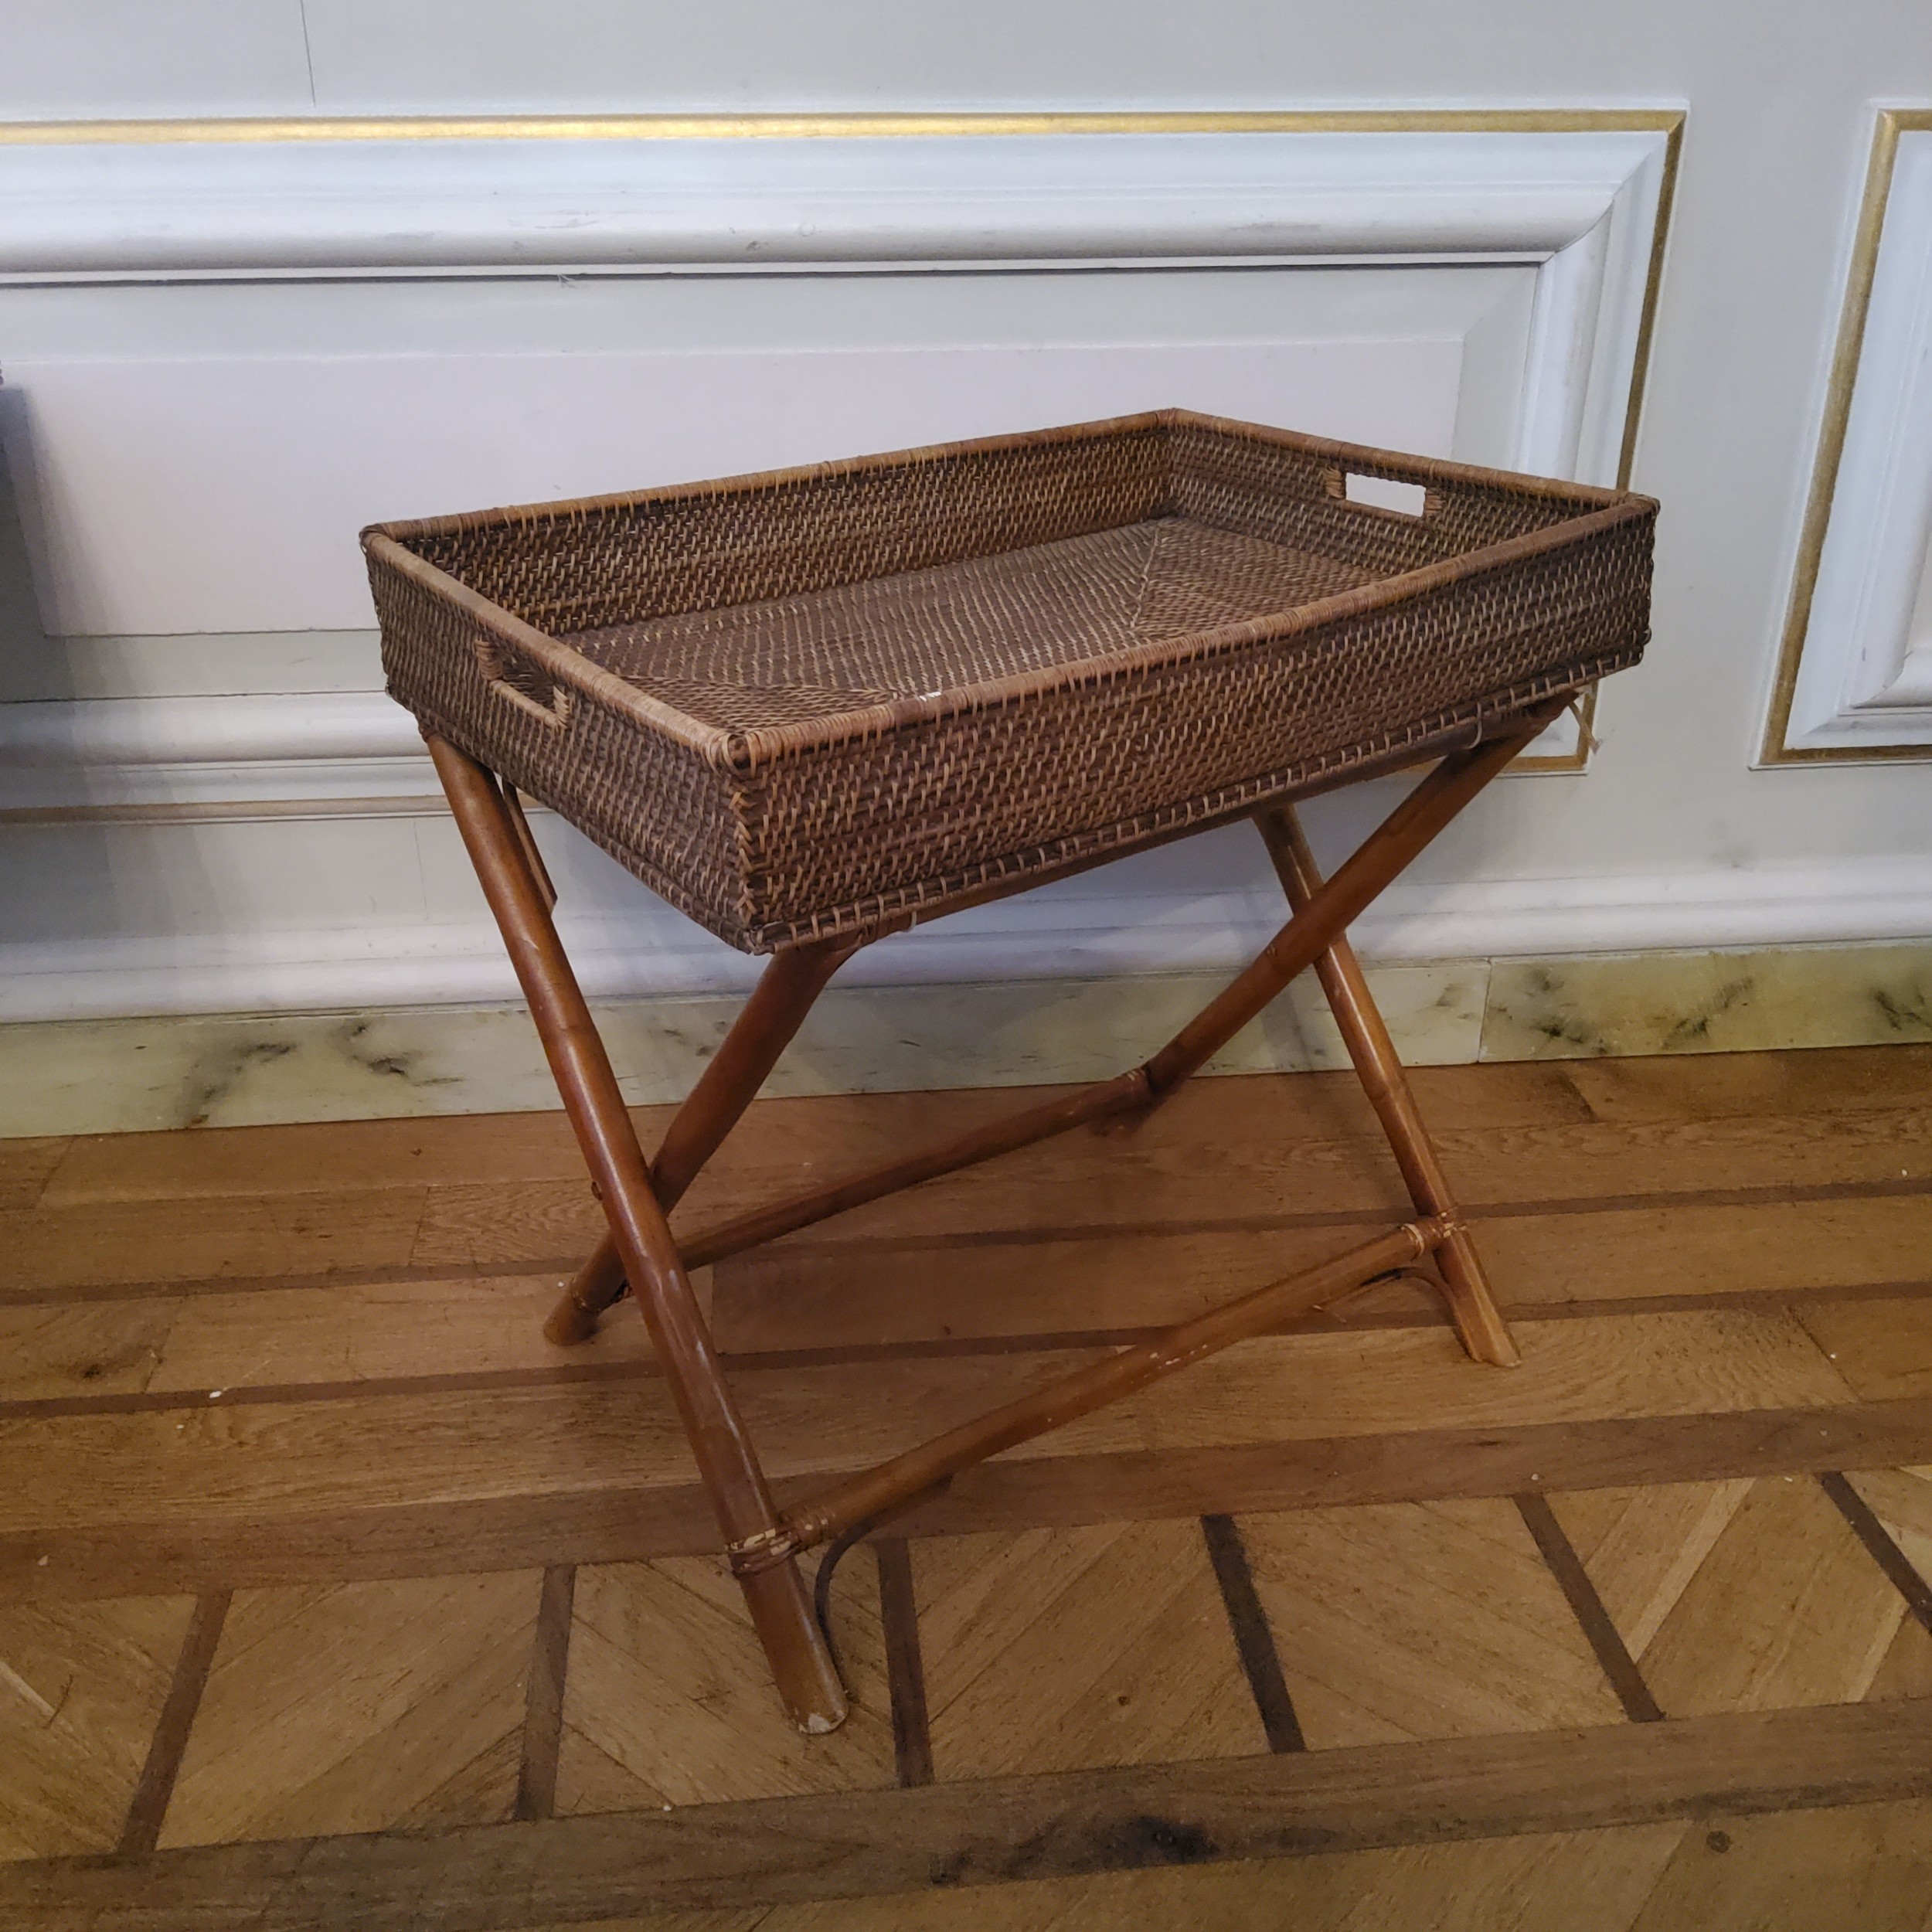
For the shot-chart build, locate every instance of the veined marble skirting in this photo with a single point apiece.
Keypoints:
(113, 1076)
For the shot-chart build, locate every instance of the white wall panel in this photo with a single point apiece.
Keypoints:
(82, 58)
(1670, 838)
(1864, 669)
(214, 491)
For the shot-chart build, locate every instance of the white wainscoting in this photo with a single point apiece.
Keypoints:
(1863, 678)
(95, 755)
(221, 356)
(642, 949)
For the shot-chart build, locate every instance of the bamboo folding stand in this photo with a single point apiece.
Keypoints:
(1369, 643)
(637, 1194)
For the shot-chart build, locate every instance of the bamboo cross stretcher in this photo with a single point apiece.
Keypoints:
(762, 1542)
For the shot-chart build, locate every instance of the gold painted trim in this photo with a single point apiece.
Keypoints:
(1668, 121)
(1892, 122)
(1672, 127)
(832, 126)
(1653, 284)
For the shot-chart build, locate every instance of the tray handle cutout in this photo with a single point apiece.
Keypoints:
(514, 677)
(1387, 494)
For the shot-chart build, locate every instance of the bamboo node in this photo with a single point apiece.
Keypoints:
(752, 1556)
(1430, 1235)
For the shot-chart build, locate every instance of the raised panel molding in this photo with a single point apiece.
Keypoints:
(88, 757)
(1581, 196)
(204, 199)
(647, 951)
(1855, 675)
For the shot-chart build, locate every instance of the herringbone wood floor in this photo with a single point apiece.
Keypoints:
(330, 1595)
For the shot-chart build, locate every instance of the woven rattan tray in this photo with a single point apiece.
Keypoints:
(803, 703)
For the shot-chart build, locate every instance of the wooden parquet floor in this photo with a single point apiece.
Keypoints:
(331, 1596)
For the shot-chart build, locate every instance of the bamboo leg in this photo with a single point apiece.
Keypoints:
(781, 1607)
(1099, 1102)
(1341, 900)
(777, 1008)
(590, 1291)
(520, 826)
(1465, 1287)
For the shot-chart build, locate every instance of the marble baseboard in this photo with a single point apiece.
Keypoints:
(78, 1077)
(1584, 1006)
(116, 1076)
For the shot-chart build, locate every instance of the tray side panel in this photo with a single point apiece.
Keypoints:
(1262, 487)
(855, 831)
(661, 809)
(579, 568)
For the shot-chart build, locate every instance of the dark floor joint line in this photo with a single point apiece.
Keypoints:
(905, 1667)
(543, 1696)
(1566, 1566)
(149, 1804)
(1254, 1641)
(1877, 1540)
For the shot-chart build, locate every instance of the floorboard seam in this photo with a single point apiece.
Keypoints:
(562, 1375)
(905, 1662)
(1254, 1636)
(1762, 1194)
(637, 1521)
(155, 1787)
(1879, 1544)
(1560, 1556)
(751, 1853)
(543, 1695)
(407, 1269)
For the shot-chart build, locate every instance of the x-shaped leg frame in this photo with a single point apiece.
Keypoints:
(762, 1542)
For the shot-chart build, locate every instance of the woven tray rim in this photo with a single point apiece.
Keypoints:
(1365, 456)
(744, 751)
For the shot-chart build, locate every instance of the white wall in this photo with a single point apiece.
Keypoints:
(1670, 837)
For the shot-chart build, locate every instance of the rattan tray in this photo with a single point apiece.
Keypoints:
(803, 703)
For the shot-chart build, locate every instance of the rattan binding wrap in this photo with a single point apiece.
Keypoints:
(807, 702)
